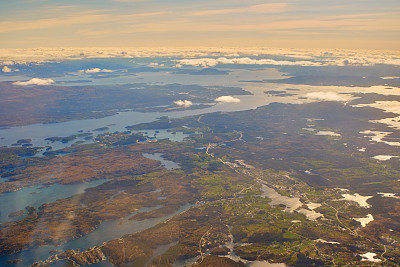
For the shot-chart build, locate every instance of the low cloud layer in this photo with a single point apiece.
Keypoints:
(327, 96)
(36, 81)
(227, 99)
(183, 103)
(95, 70)
(212, 62)
(208, 56)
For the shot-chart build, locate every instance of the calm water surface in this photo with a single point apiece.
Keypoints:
(35, 196)
(11, 202)
(105, 232)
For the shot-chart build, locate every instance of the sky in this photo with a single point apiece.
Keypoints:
(353, 24)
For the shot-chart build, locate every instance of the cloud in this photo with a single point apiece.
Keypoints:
(227, 99)
(327, 96)
(183, 103)
(6, 69)
(36, 81)
(208, 56)
(14, 25)
(389, 78)
(155, 64)
(262, 8)
(83, 18)
(95, 70)
(328, 133)
(212, 62)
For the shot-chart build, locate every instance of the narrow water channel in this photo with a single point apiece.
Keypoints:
(35, 196)
(105, 232)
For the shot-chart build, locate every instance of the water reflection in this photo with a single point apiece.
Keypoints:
(37, 195)
(105, 232)
(118, 122)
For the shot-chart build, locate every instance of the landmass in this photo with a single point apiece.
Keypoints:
(313, 181)
(22, 105)
(259, 188)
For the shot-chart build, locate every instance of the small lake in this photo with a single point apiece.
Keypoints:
(291, 203)
(169, 165)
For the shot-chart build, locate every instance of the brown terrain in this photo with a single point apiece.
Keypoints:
(101, 163)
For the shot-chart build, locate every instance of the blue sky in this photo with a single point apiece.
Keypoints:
(366, 24)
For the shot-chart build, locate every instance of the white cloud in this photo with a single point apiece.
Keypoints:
(155, 64)
(208, 56)
(361, 200)
(6, 69)
(211, 62)
(393, 195)
(327, 96)
(95, 70)
(36, 81)
(387, 106)
(389, 78)
(227, 99)
(183, 103)
(369, 256)
(365, 221)
(379, 136)
(328, 133)
(384, 157)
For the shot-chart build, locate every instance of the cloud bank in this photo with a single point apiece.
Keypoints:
(327, 96)
(36, 81)
(227, 99)
(212, 62)
(183, 103)
(208, 56)
(95, 70)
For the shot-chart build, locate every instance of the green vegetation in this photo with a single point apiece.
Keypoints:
(13, 153)
(225, 169)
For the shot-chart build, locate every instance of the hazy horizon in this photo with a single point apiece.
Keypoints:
(363, 24)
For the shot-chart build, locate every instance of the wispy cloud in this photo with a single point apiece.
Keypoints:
(360, 15)
(262, 8)
(12, 26)
(300, 23)
(145, 14)
(284, 24)
(78, 18)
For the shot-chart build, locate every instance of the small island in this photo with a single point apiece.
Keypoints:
(16, 214)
